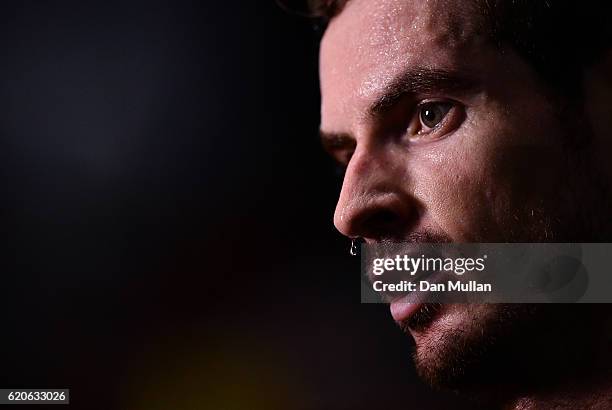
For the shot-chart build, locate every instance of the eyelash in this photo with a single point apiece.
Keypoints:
(451, 118)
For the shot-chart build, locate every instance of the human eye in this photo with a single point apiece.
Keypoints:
(434, 119)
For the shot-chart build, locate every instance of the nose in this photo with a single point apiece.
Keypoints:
(375, 201)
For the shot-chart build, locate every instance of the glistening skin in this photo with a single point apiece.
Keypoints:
(448, 136)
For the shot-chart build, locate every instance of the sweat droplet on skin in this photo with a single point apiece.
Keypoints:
(353, 250)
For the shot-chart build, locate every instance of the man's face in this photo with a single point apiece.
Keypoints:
(446, 137)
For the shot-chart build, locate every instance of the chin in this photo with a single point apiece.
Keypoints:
(463, 346)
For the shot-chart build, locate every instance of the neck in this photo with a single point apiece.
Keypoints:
(587, 386)
(597, 395)
(575, 374)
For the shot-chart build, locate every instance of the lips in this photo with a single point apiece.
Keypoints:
(402, 311)
(404, 307)
(404, 304)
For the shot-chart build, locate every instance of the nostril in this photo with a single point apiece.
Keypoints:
(383, 217)
(382, 223)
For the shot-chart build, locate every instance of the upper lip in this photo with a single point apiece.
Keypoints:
(398, 276)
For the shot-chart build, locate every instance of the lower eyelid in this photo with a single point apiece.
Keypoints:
(455, 111)
(453, 118)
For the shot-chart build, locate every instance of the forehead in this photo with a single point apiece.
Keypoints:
(373, 41)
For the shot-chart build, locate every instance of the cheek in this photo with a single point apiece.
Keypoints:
(458, 196)
(491, 186)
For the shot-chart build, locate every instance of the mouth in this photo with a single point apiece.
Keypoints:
(411, 309)
(415, 317)
(416, 310)
(402, 311)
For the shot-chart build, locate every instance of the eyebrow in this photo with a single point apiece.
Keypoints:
(421, 81)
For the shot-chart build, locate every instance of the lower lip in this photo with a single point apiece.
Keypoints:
(401, 310)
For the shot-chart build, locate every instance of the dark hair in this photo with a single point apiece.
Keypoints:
(559, 38)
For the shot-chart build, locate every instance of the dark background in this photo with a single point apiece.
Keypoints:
(167, 216)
